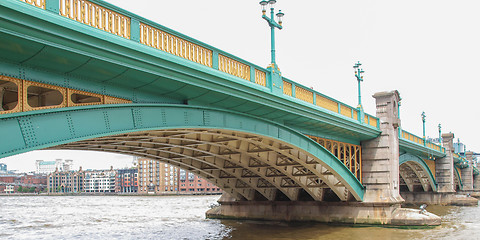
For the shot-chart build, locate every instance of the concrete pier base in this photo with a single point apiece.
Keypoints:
(327, 212)
(435, 198)
(475, 195)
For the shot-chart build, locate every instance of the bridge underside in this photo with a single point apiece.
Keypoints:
(248, 157)
(415, 174)
(247, 166)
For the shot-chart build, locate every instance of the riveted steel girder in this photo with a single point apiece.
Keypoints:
(247, 156)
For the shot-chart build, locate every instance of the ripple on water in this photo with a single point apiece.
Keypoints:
(150, 217)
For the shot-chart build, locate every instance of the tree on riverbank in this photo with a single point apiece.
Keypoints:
(26, 189)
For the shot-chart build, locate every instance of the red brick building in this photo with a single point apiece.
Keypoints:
(193, 184)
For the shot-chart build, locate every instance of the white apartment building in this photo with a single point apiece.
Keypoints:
(99, 181)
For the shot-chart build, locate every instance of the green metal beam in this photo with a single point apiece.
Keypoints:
(420, 162)
(34, 130)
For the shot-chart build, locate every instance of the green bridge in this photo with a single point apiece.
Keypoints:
(87, 75)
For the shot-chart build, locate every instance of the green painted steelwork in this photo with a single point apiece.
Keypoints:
(359, 76)
(460, 162)
(34, 130)
(67, 53)
(423, 120)
(42, 46)
(406, 157)
(272, 24)
(423, 150)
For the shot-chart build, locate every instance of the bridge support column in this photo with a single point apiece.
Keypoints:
(476, 181)
(444, 169)
(380, 156)
(381, 202)
(467, 173)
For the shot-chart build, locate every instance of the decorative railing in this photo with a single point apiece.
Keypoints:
(96, 16)
(106, 17)
(304, 94)
(349, 154)
(169, 43)
(372, 121)
(294, 90)
(260, 78)
(418, 140)
(36, 3)
(411, 137)
(19, 95)
(233, 67)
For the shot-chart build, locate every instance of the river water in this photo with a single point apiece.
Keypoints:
(183, 217)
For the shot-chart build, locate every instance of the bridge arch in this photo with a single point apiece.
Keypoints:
(414, 171)
(248, 157)
(457, 177)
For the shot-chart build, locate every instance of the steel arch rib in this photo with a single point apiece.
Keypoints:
(146, 139)
(410, 160)
(41, 129)
(102, 147)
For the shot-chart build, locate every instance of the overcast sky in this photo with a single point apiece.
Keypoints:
(428, 50)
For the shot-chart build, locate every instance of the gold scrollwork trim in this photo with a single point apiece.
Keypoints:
(96, 16)
(19, 84)
(169, 43)
(27, 107)
(36, 3)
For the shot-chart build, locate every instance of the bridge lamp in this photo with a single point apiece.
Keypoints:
(271, 3)
(280, 17)
(359, 75)
(272, 24)
(440, 133)
(423, 120)
(264, 6)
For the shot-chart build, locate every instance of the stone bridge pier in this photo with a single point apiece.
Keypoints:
(381, 203)
(476, 178)
(467, 173)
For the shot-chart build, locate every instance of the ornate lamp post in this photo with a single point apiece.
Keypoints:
(273, 24)
(423, 120)
(440, 133)
(359, 75)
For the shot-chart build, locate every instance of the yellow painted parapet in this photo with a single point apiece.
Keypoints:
(346, 111)
(169, 43)
(349, 154)
(36, 3)
(327, 103)
(260, 78)
(370, 120)
(287, 88)
(18, 95)
(304, 94)
(96, 16)
(233, 67)
(412, 137)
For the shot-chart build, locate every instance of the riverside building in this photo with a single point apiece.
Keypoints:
(100, 181)
(65, 181)
(193, 184)
(127, 180)
(149, 176)
(155, 177)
